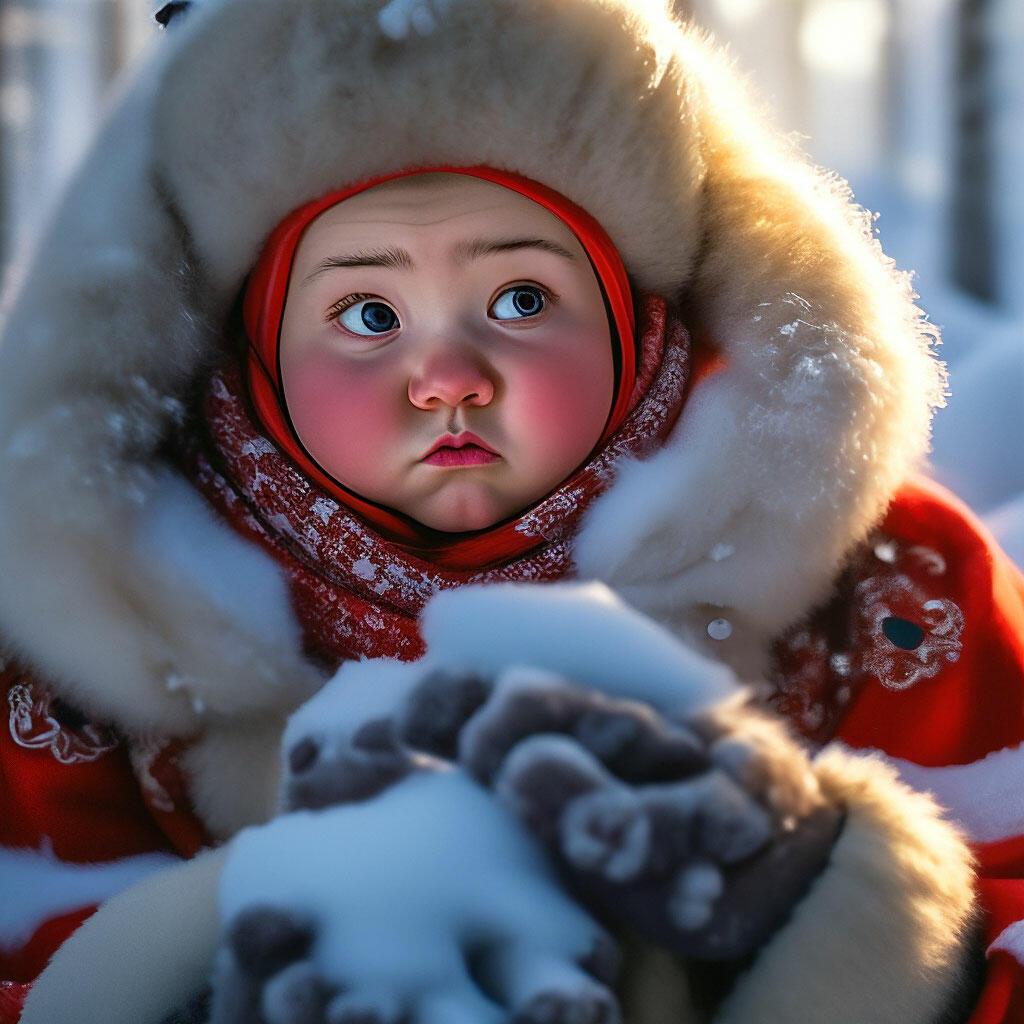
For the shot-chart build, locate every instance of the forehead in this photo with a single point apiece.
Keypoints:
(437, 206)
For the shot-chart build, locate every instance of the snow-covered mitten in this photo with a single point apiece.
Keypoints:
(427, 904)
(701, 835)
(328, 770)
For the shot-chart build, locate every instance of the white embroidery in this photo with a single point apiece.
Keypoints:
(810, 653)
(548, 519)
(929, 558)
(143, 753)
(941, 621)
(34, 728)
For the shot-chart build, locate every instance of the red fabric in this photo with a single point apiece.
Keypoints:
(952, 700)
(69, 789)
(12, 998)
(975, 703)
(1002, 1000)
(263, 310)
(358, 594)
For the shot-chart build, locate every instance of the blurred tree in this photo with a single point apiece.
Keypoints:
(3, 149)
(57, 61)
(973, 252)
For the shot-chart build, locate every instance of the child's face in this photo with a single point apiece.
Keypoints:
(436, 323)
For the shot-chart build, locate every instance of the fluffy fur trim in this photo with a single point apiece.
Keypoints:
(886, 933)
(653, 987)
(142, 955)
(236, 775)
(250, 107)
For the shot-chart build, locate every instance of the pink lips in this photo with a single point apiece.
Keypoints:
(465, 449)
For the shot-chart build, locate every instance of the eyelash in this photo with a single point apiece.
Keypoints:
(341, 305)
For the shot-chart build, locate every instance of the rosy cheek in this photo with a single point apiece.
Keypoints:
(341, 413)
(559, 407)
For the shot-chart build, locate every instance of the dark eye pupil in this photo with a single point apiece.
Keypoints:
(527, 301)
(378, 317)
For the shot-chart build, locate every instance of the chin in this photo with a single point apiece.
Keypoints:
(461, 515)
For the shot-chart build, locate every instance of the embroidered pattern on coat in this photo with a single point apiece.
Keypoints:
(144, 754)
(34, 727)
(932, 627)
(887, 622)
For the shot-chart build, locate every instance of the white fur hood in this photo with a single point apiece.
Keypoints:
(119, 585)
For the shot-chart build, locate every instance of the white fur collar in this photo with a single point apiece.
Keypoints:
(779, 464)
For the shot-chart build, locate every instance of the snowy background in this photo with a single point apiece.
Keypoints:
(918, 103)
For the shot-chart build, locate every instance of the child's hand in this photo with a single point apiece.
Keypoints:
(702, 834)
(426, 904)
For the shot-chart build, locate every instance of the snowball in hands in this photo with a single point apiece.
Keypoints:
(400, 891)
(665, 800)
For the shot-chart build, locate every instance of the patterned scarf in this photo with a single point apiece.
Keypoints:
(357, 594)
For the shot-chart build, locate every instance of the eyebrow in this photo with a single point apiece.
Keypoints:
(400, 259)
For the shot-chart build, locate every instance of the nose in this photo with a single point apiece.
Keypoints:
(451, 376)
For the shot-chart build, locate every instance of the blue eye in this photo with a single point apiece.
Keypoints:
(368, 318)
(523, 300)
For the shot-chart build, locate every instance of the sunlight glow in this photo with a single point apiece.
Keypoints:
(739, 12)
(844, 37)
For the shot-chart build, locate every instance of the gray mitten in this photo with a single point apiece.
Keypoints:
(701, 835)
(407, 896)
(265, 975)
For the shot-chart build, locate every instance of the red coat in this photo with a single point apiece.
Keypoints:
(920, 654)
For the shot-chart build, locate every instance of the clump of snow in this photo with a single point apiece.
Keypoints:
(396, 880)
(401, 885)
(36, 886)
(582, 631)
(359, 692)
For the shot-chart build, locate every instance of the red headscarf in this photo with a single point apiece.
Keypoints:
(263, 311)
